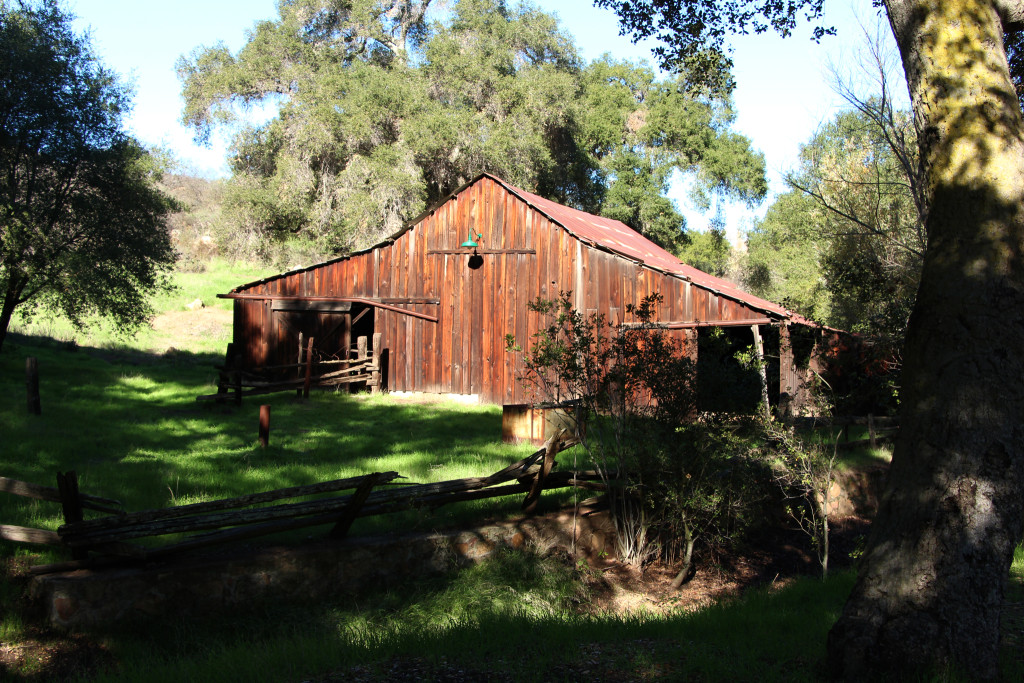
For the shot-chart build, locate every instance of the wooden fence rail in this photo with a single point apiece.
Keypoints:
(107, 540)
(364, 368)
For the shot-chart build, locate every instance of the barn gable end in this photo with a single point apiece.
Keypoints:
(443, 310)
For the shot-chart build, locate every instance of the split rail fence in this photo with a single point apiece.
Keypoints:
(308, 371)
(108, 540)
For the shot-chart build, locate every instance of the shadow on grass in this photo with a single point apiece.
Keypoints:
(128, 423)
(516, 617)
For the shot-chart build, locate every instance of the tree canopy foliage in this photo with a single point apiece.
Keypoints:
(381, 111)
(81, 225)
(850, 236)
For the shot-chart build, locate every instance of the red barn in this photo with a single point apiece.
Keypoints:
(442, 309)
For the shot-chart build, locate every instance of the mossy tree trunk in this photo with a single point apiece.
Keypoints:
(931, 586)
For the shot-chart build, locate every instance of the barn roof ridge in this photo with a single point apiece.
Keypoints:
(597, 231)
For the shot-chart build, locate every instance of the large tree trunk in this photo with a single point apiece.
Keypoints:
(7, 306)
(931, 585)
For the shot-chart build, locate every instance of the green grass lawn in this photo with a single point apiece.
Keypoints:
(123, 415)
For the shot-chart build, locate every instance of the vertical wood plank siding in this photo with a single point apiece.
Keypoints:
(464, 351)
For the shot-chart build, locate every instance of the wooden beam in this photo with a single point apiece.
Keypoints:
(311, 306)
(372, 300)
(693, 324)
(385, 303)
(481, 251)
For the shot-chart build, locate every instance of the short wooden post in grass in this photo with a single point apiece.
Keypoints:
(360, 356)
(375, 366)
(264, 425)
(32, 385)
(71, 503)
(298, 363)
(309, 368)
(224, 374)
(871, 430)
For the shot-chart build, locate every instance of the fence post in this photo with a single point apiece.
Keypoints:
(362, 492)
(32, 385)
(298, 362)
(309, 368)
(264, 425)
(550, 449)
(71, 503)
(375, 371)
(224, 375)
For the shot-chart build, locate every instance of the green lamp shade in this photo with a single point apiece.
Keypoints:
(470, 243)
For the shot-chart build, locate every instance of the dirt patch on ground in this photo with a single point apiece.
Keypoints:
(202, 323)
(775, 557)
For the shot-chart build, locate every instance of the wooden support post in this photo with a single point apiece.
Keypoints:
(264, 426)
(360, 359)
(348, 516)
(32, 385)
(67, 485)
(763, 371)
(787, 374)
(871, 430)
(691, 349)
(309, 368)
(375, 372)
(298, 362)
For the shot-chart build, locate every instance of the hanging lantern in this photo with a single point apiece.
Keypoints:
(469, 243)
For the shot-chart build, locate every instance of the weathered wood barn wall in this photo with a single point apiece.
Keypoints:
(443, 310)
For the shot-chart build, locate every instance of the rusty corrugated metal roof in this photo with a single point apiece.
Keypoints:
(618, 237)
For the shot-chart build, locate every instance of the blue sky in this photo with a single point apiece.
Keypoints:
(782, 91)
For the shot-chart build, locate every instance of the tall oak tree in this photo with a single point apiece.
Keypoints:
(381, 112)
(82, 227)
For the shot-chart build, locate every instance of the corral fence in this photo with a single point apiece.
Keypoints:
(361, 365)
(110, 539)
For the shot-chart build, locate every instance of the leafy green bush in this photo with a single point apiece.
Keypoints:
(674, 477)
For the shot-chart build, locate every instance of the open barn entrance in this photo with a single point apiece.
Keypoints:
(727, 379)
(333, 326)
(333, 332)
(327, 324)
